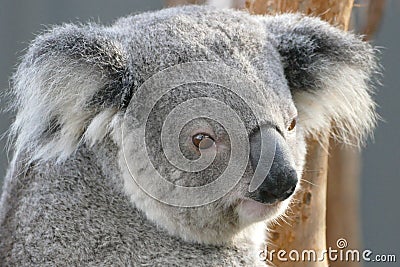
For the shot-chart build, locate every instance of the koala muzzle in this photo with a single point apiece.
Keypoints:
(277, 179)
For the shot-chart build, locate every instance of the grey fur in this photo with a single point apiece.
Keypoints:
(67, 199)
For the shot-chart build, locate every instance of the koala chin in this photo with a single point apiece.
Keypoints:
(84, 187)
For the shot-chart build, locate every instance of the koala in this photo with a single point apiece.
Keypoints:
(83, 185)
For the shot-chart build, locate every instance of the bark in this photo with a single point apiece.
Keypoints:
(334, 11)
(306, 226)
(343, 200)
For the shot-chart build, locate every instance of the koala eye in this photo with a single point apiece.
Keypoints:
(203, 141)
(292, 124)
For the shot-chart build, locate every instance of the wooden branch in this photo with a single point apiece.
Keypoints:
(306, 226)
(334, 11)
(343, 199)
(374, 17)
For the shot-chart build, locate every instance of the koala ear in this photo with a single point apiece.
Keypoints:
(67, 89)
(329, 74)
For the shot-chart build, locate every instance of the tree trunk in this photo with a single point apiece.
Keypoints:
(342, 216)
(306, 226)
(336, 12)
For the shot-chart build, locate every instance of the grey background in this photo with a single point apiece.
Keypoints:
(21, 20)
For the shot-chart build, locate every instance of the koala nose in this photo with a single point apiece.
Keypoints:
(280, 180)
(277, 186)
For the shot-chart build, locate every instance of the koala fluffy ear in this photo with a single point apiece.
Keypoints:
(329, 74)
(67, 89)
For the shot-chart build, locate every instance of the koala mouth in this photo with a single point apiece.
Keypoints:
(251, 211)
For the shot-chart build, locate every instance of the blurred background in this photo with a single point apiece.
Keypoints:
(20, 21)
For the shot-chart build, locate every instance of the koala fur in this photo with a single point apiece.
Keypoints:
(68, 198)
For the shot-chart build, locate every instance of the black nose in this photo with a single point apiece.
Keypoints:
(278, 185)
(280, 180)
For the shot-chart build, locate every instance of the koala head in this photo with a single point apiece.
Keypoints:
(208, 110)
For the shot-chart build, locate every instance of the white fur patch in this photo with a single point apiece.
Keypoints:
(343, 103)
(57, 92)
(99, 126)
